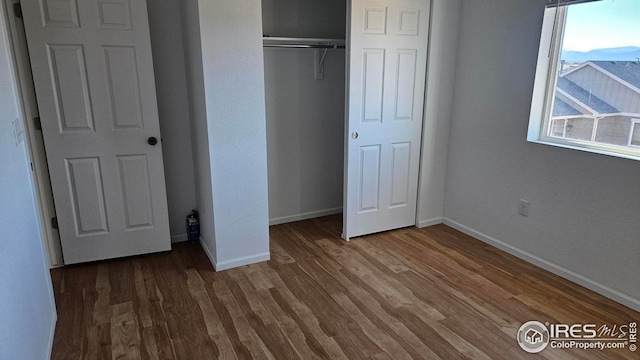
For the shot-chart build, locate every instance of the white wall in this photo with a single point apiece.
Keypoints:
(234, 87)
(305, 18)
(165, 27)
(441, 64)
(27, 308)
(226, 76)
(305, 117)
(584, 221)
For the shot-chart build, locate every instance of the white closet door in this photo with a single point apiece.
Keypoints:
(387, 66)
(93, 73)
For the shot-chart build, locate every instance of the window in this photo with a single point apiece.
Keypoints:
(634, 134)
(587, 85)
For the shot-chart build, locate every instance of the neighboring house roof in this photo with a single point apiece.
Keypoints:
(625, 72)
(561, 108)
(628, 71)
(583, 96)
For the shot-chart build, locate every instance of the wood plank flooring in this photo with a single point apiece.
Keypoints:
(430, 293)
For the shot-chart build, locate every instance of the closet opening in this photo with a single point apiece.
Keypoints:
(345, 87)
(304, 66)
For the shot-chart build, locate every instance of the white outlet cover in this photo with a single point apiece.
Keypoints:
(524, 207)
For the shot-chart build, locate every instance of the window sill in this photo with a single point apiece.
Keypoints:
(591, 148)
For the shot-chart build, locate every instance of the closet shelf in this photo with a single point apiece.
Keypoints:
(307, 43)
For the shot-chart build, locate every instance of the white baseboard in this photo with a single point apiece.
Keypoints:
(207, 251)
(52, 332)
(230, 264)
(242, 261)
(590, 284)
(429, 222)
(305, 216)
(179, 238)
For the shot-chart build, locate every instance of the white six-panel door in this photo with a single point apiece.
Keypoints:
(93, 73)
(386, 79)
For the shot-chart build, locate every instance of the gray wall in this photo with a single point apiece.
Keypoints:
(165, 27)
(441, 66)
(305, 18)
(198, 116)
(584, 221)
(27, 308)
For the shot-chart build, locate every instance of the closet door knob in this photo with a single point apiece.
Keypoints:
(152, 141)
(354, 135)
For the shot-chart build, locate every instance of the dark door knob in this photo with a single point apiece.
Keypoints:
(152, 141)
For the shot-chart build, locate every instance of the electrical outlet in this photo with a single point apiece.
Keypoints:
(524, 208)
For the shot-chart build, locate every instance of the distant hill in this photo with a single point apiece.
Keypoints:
(626, 53)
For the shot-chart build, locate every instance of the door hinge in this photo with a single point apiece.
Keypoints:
(54, 223)
(37, 123)
(17, 10)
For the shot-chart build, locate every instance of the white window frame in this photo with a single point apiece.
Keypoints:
(634, 123)
(544, 93)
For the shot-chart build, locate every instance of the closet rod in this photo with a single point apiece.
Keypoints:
(304, 46)
(303, 43)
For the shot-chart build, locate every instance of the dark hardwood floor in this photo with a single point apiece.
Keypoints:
(406, 294)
